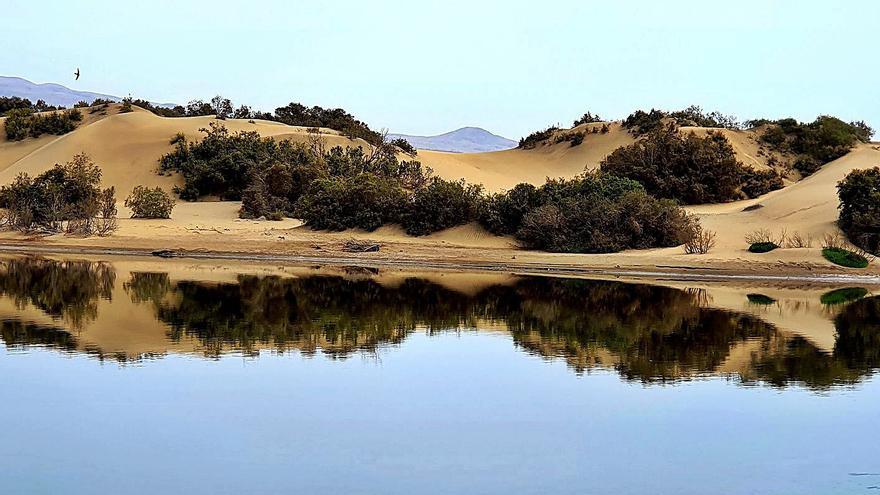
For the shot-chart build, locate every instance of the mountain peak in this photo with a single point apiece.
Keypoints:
(463, 140)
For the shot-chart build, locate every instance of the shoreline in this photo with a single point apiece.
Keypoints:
(718, 273)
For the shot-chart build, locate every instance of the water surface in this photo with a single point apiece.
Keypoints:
(184, 377)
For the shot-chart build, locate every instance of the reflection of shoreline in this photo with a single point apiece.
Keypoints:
(648, 333)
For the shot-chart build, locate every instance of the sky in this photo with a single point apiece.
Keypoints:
(428, 67)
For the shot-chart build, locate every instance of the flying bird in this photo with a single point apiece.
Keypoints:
(76, 74)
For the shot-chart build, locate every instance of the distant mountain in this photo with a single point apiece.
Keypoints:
(51, 93)
(464, 140)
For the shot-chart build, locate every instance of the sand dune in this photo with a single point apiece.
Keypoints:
(808, 207)
(128, 146)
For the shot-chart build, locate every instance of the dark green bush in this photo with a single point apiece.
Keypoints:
(844, 257)
(502, 213)
(859, 194)
(641, 122)
(270, 177)
(759, 182)
(599, 213)
(442, 204)
(807, 165)
(690, 169)
(365, 201)
(126, 105)
(818, 142)
(149, 203)
(336, 118)
(763, 247)
(18, 123)
(404, 146)
(533, 139)
(8, 103)
(23, 122)
(587, 118)
(224, 164)
(66, 197)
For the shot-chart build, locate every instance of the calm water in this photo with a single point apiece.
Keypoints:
(141, 377)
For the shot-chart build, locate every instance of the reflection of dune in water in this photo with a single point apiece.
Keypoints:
(648, 333)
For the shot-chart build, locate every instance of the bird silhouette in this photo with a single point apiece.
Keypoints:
(76, 74)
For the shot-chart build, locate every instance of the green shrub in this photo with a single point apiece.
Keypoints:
(126, 105)
(336, 118)
(442, 204)
(223, 164)
(8, 103)
(762, 247)
(23, 122)
(365, 201)
(502, 213)
(66, 197)
(18, 123)
(599, 213)
(807, 165)
(404, 146)
(859, 194)
(641, 122)
(844, 257)
(841, 296)
(759, 182)
(587, 118)
(690, 169)
(818, 142)
(537, 137)
(149, 203)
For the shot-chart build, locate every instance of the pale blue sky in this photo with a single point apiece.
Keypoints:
(429, 67)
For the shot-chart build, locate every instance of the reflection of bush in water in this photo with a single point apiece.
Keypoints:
(797, 360)
(647, 333)
(845, 295)
(858, 334)
(335, 314)
(147, 287)
(68, 289)
(654, 333)
(20, 334)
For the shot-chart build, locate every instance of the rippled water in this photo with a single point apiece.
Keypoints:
(180, 377)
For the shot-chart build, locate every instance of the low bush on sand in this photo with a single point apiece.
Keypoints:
(763, 247)
(149, 203)
(845, 257)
